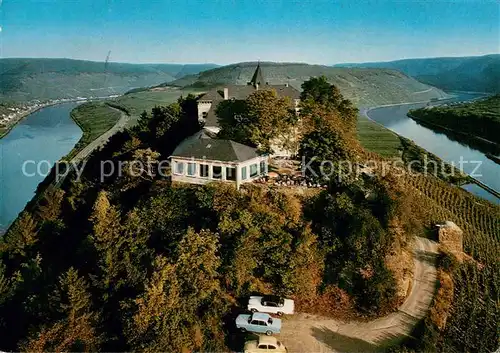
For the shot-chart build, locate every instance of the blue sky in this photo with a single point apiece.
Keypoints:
(224, 31)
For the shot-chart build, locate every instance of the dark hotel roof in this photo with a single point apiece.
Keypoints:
(215, 150)
(243, 91)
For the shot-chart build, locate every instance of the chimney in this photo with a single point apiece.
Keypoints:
(226, 93)
(257, 86)
(286, 84)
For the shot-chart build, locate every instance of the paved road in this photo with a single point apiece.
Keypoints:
(311, 333)
(98, 142)
(101, 140)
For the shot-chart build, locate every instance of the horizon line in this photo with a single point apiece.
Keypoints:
(243, 62)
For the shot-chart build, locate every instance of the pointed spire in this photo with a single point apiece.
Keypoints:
(257, 78)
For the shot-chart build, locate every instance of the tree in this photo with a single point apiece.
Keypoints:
(262, 120)
(245, 262)
(318, 92)
(142, 167)
(7, 285)
(270, 116)
(76, 330)
(233, 121)
(154, 321)
(306, 267)
(107, 240)
(22, 235)
(134, 252)
(326, 155)
(167, 126)
(197, 265)
(50, 206)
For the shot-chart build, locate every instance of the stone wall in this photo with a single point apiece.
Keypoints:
(451, 237)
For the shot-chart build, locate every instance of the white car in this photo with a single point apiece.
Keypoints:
(264, 344)
(271, 304)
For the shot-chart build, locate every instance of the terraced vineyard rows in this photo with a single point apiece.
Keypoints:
(473, 317)
(479, 219)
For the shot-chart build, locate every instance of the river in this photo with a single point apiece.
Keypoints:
(395, 119)
(38, 141)
(48, 134)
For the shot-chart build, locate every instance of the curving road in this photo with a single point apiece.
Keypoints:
(101, 140)
(312, 333)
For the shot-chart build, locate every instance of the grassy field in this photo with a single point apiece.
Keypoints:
(376, 138)
(94, 118)
(137, 102)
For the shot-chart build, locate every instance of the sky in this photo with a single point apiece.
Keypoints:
(228, 31)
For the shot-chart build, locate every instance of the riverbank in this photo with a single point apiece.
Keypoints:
(477, 118)
(477, 142)
(28, 153)
(94, 119)
(409, 153)
(20, 116)
(38, 106)
(394, 119)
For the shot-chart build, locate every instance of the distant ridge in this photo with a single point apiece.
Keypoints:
(366, 87)
(24, 79)
(471, 73)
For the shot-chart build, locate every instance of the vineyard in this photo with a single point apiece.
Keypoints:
(479, 219)
(474, 314)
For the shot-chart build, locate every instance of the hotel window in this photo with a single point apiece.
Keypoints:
(191, 169)
(216, 172)
(179, 167)
(204, 170)
(243, 173)
(253, 170)
(263, 167)
(231, 173)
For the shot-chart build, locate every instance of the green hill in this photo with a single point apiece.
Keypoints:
(473, 73)
(365, 87)
(32, 78)
(477, 119)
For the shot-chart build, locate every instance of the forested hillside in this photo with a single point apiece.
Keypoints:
(364, 87)
(481, 118)
(128, 261)
(136, 263)
(474, 73)
(24, 79)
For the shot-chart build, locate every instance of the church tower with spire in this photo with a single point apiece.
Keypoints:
(257, 78)
(207, 103)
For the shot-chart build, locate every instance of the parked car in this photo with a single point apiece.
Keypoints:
(258, 322)
(264, 344)
(271, 304)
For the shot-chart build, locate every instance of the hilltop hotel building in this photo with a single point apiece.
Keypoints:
(208, 102)
(202, 158)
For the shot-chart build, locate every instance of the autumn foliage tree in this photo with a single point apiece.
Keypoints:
(318, 92)
(144, 265)
(328, 130)
(21, 236)
(262, 120)
(76, 323)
